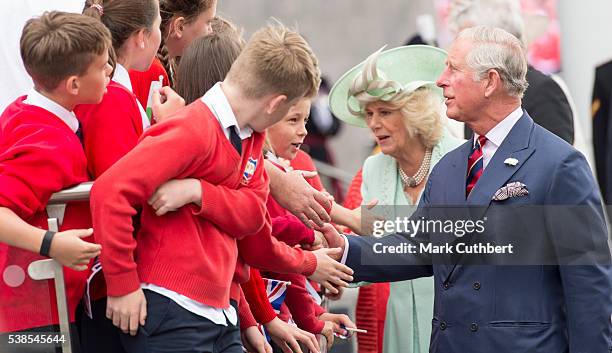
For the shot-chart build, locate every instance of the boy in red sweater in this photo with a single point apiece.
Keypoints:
(185, 260)
(40, 154)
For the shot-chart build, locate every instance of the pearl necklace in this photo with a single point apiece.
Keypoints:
(417, 178)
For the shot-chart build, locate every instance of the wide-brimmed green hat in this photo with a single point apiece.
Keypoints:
(384, 75)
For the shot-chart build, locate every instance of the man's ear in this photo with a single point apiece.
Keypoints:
(493, 82)
(274, 103)
(72, 85)
(176, 27)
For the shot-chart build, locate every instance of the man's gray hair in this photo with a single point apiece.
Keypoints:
(504, 14)
(494, 48)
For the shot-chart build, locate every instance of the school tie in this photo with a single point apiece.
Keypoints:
(235, 140)
(475, 164)
(79, 133)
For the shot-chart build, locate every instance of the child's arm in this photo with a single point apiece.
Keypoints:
(291, 231)
(218, 203)
(300, 303)
(117, 193)
(281, 258)
(66, 247)
(244, 313)
(38, 162)
(255, 293)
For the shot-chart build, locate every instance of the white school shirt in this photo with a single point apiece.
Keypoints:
(122, 77)
(37, 99)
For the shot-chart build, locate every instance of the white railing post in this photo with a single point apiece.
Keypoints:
(51, 269)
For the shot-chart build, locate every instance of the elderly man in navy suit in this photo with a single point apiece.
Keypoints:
(510, 164)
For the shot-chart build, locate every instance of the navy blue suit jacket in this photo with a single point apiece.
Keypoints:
(511, 309)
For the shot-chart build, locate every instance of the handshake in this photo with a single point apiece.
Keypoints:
(328, 249)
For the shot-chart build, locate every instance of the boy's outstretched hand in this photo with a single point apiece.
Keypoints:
(128, 311)
(330, 273)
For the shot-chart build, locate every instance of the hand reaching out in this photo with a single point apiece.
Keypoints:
(287, 337)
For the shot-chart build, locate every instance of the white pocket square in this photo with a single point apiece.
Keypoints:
(513, 189)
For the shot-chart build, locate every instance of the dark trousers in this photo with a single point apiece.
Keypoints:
(98, 335)
(171, 329)
(7, 347)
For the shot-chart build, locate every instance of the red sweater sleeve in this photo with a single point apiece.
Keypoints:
(129, 183)
(301, 304)
(35, 162)
(319, 310)
(290, 230)
(263, 251)
(255, 293)
(110, 129)
(219, 204)
(244, 313)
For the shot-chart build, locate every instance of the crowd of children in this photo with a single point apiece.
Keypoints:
(188, 210)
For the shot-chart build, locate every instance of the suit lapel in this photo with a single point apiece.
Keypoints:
(497, 173)
(457, 179)
(516, 145)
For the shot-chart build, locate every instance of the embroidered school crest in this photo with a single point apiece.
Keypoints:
(249, 170)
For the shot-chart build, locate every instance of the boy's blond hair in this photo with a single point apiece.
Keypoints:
(58, 44)
(276, 60)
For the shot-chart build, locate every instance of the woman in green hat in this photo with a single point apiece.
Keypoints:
(393, 93)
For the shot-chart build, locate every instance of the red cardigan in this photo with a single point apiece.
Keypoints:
(189, 251)
(39, 155)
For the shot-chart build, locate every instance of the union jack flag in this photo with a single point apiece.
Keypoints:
(276, 291)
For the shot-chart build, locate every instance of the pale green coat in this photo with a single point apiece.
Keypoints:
(410, 306)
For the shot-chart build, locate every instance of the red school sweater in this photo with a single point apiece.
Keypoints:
(39, 155)
(192, 252)
(291, 231)
(110, 129)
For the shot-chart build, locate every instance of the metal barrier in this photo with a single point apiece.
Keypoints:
(51, 269)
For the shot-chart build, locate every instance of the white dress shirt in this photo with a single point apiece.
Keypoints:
(217, 102)
(122, 77)
(68, 117)
(497, 135)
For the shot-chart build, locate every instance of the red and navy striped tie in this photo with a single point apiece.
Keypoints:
(475, 164)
